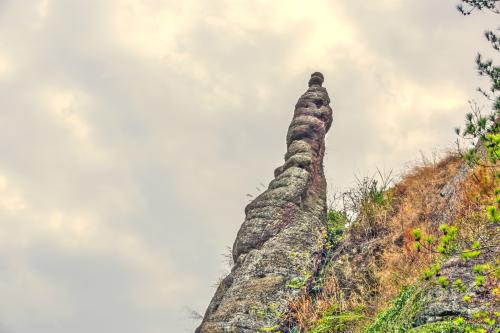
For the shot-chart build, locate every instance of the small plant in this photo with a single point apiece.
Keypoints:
(479, 281)
(432, 271)
(489, 321)
(481, 269)
(429, 240)
(273, 329)
(417, 234)
(295, 283)
(443, 281)
(447, 240)
(298, 282)
(364, 204)
(459, 321)
(397, 318)
(268, 313)
(469, 254)
(336, 224)
(458, 284)
(493, 213)
(484, 129)
(333, 320)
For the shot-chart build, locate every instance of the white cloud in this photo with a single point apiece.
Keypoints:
(6, 67)
(406, 118)
(43, 8)
(66, 107)
(30, 295)
(152, 30)
(11, 200)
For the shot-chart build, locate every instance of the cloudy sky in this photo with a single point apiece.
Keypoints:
(132, 131)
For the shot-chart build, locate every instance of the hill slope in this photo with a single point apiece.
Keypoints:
(418, 256)
(421, 256)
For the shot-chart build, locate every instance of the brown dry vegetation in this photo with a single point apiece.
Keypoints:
(376, 256)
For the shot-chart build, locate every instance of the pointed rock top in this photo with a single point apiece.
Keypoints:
(316, 79)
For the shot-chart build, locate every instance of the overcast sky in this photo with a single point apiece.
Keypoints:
(132, 131)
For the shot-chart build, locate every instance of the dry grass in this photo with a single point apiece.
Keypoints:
(306, 311)
(418, 204)
(377, 257)
(478, 191)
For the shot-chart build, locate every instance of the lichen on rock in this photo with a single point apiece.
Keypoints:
(280, 240)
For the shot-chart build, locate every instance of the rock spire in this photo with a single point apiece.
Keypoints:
(279, 243)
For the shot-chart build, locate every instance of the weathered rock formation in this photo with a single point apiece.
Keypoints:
(438, 304)
(278, 244)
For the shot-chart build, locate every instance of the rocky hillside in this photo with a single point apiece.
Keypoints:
(421, 255)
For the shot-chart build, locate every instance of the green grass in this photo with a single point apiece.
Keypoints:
(437, 327)
(334, 321)
(397, 318)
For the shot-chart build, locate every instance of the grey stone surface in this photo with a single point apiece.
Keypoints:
(439, 304)
(281, 237)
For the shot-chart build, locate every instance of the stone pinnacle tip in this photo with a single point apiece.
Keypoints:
(316, 79)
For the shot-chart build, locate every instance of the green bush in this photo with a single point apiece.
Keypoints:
(334, 321)
(397, 318)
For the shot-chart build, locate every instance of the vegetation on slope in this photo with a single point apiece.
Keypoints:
(410, 250)
(422, 255)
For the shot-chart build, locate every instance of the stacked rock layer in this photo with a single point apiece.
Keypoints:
(278, 245)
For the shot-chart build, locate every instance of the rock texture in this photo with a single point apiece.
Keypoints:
(441, 304)
(279, 242)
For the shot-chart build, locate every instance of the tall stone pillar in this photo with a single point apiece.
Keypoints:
(278, 245)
